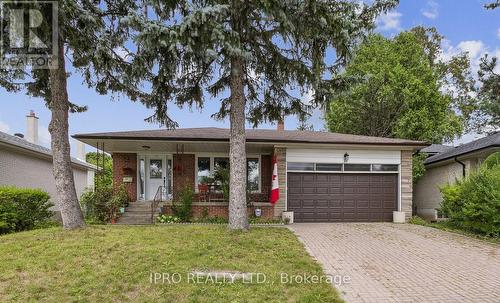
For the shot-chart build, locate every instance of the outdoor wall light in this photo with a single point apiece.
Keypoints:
(346, 157)
(146, 147)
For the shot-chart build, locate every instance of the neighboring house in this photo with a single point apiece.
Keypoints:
(24, 163)
(323, 177)
(447, 164)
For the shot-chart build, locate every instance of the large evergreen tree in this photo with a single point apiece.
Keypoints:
(89, 35)
(249, 55)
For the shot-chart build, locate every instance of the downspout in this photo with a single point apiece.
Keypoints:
(461, 163)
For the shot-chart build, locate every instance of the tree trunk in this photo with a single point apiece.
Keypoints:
(238, 218)
(67, 200)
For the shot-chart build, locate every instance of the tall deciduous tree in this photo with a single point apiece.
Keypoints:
(487, 119)
(246, 54)
(401, 92)
(88, 31)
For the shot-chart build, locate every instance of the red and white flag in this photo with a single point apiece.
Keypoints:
(275, 190)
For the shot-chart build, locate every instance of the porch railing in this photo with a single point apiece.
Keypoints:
(156, 201)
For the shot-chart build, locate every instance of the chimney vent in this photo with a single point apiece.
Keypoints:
(32, 127)
(19, 135)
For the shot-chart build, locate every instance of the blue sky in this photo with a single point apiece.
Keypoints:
(466, 25)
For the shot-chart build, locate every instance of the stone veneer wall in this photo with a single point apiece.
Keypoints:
(280, 153)
(406, 183)
(123, 162)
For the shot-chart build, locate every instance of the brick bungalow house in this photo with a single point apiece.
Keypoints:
(323, 177)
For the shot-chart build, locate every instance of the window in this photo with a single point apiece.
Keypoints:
(356, 167)
(328, 167)
(203, 168)
(384, 167)
(155, 169)
(142, 176)
(253, 174)
(221, 162)
(208, 165)
(300, 166)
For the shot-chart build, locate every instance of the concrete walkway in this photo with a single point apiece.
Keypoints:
(404, 263)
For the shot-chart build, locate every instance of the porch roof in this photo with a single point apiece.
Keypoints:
(213, 134)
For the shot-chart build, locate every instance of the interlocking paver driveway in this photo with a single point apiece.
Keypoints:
(404, 263)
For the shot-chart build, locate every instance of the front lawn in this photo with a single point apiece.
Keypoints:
(115, 263)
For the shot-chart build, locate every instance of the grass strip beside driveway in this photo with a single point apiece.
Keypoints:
(116, 263)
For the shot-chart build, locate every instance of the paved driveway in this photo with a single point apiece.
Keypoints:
(404, 263)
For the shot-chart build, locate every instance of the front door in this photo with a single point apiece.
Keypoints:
(156, 176)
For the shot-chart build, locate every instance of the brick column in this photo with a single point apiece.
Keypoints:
(406, 183)
(280, 206)
(125, 164)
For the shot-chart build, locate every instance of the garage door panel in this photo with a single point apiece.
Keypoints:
(340, 197)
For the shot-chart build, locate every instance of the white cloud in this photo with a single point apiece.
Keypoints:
(389, 21)
(498, 33)
(4, 127)
(474, 47)
(431, 10)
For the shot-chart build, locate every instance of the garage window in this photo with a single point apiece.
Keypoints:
(301, 166)
(328, 167)
(384, 167)
(356, 167)
(338, 167)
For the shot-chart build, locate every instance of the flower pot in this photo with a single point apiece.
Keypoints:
(113, 221)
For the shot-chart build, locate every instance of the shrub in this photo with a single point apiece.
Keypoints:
(168, 219)
(492, 161)
(119, 199)
(95, 204)
(182, 208)
(23, 208)
(102, 205)
(473, 204)
(221, 176)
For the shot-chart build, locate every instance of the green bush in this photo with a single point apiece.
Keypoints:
(473, 204)
(182, 208)
(168, 219)
(23, 208)
(102, 205)
(95, 204)
(492, 161)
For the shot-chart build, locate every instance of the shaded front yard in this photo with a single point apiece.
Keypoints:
(115, 263)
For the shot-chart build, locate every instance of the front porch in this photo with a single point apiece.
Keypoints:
(161, 170)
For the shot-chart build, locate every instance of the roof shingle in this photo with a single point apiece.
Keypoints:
(253, 135)
(486, 142)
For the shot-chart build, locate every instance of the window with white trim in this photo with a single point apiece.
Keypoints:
(206, 167)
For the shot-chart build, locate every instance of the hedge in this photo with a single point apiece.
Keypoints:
(23, 208)
(473, 204)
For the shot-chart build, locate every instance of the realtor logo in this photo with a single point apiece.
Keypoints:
(29, 34)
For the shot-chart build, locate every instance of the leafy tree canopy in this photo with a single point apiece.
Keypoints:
(400, 90)
(487, 119)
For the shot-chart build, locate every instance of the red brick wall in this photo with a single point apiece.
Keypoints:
(125, 164)
(183, 172)
(223, 211)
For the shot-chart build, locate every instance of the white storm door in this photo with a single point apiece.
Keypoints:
(156, 176)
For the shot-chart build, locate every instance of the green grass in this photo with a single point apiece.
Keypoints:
(450, 227)
(114, 264)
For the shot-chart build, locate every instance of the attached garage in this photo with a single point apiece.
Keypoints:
(337, 197)
(325, 185)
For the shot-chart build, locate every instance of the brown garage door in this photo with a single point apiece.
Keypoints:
(315, 197)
